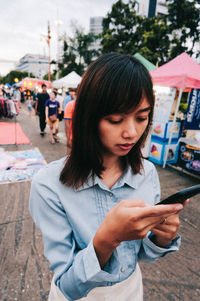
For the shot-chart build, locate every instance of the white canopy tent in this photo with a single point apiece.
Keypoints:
(71, 80)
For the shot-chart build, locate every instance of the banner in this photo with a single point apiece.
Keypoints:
(164, 98)
(192, 120)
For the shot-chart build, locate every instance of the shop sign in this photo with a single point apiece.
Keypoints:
(192, 120)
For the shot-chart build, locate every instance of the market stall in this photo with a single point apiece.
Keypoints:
(178, 74)
(29, 83)
(189, 149)
(71, 80)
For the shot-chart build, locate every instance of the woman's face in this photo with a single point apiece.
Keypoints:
(120, 132)
(52, 96)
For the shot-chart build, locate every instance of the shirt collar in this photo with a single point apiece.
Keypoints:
(131, 179)
(128, 178)
(91, 181)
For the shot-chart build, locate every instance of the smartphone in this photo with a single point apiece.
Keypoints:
(181, 196)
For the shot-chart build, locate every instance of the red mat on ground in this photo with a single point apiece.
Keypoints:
(11, 133)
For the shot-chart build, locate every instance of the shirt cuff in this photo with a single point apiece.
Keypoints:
(154, 251)
(93, 269)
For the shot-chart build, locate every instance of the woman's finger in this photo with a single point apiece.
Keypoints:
(157, 211)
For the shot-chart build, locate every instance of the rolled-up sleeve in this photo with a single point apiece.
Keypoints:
(149, 252)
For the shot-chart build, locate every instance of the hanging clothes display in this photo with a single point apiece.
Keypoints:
(8, 107)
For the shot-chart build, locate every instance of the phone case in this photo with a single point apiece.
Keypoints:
(181, 196)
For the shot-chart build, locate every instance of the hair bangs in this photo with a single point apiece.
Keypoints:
(121, 86)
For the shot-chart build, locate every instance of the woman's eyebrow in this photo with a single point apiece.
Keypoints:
(144, 110)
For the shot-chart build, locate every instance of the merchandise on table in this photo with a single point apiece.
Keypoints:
(20, 165)
(189, 158)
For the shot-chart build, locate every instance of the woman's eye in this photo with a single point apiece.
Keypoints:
(115, 121)
(140, 119)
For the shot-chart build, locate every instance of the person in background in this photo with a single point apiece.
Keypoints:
(95, 208)
(67, 99)
(68, 114)
(52, 109)
(70, 95)
(29, 103)
(35, 92)
(40, 108)
(60, 99)
(22, 95)
(17, 94)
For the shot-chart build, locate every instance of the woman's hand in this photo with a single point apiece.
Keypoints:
(129, 220)
(167, 230)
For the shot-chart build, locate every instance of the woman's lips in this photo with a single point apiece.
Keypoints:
(126, 146)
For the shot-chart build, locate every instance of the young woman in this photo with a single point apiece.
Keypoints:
(52, 109)
(96, 208)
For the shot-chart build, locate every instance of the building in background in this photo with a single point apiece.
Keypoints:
(34, 63)
(161, 7)
(150, 8)
(96, 27)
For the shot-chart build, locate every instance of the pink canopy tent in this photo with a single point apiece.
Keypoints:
(181, 72)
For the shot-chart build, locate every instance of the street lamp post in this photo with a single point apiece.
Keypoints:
(48, 43)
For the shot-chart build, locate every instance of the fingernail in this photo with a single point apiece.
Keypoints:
(179, 207)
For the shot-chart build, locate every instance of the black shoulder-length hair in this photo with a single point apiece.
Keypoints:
(114, 83)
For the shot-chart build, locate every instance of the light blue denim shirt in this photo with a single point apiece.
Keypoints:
(69, 219)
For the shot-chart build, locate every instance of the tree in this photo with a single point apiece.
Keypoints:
(160, 38)
(78, 52)
(9, 78)
(53, 76)
(154, 39)
(120, 32)
(184, 24)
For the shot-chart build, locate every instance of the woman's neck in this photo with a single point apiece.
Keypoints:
(113, 171)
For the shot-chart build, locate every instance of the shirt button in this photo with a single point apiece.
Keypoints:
(111, 194)
(122, 270)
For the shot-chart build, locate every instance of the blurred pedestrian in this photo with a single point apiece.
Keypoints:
(40, 108)
(17, 94)
(68, 114)
(52, 109)
(22, 95)
(60, 99)
(95, 208)
(29, 103)
(70, 95)
(67, 99)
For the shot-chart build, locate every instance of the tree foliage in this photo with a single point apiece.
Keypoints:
(154, 42)
(78, 52)
(9, 78)
(120, 28)
(159, 38)
(184, 25)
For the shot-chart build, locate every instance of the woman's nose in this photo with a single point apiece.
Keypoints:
(129, 130)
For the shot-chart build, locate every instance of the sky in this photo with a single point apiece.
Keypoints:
(23, 25)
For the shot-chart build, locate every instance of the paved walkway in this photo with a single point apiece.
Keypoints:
(24, 271)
